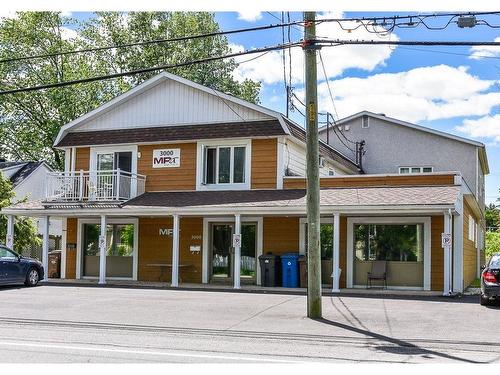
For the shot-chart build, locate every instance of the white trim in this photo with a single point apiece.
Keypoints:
(237, 254)
(390, 220)
(247, 143)
(163, 76)
(280, 164)
(110, 220)
(102, 250)
(336, 254)
(175, 251)
(45, 247)
(73, 159)
(230, 219)
(448, 220)
(67, 159)
(64, 245)
(458, 247)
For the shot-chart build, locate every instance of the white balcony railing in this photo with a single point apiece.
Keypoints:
(115, 185)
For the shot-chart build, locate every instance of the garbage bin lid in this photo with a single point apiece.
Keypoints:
(290, 256)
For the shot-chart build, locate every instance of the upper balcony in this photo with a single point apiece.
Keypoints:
(100, 186)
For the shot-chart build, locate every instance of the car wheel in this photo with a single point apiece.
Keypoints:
(32, 277)
(485, 301)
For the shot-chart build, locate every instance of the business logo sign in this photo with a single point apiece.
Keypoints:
(166, 231)
(167, 158)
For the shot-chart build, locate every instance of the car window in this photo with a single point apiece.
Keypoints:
(495, 261)
(6, 254)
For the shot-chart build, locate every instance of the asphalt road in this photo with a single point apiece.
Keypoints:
(90, 324)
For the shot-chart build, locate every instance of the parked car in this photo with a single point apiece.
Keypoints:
(490, 280)
(16, 269)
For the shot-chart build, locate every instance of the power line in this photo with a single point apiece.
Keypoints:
(147, 70)
(148, 42)
(335, 42)
(328, 85)
(451, 53)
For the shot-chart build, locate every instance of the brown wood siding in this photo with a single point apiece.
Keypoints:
(281, 235)
(71, 237)
(82, 161)
(470, 252)
(163, 179)
(363, 181)
(264, 163)
(343, 251)
(437, 253)
(154, 249)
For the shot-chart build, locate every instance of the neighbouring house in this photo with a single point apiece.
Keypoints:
(395, 146)
(158, 180)
(28, 182)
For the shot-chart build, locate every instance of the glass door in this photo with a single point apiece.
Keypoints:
(248, 261)
(222, 252)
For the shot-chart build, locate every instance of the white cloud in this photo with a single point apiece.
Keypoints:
(269, 68)
(426, 93)
(483, 127)
(67, 33)
(249, 15)
(66, 13)
(478, 52)
(7, 14)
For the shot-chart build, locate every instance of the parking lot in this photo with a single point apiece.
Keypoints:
(91, 324)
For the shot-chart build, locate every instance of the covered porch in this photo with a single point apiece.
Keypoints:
(188, 237)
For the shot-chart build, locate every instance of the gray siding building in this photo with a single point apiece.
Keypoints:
(395, 146)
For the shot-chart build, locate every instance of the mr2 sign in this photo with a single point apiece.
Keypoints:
(167, 158)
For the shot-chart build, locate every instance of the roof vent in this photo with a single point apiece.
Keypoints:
(381, 114)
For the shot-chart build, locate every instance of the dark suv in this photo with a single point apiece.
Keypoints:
(16, 269)
(490, 280)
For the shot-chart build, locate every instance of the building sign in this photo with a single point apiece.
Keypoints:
(445, 240)
(167, 158)
(166, 231)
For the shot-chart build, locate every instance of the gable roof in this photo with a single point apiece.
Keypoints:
(23, 173)
(480, 145)
(152, 82)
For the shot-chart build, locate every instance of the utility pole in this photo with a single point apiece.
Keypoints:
(313, 216)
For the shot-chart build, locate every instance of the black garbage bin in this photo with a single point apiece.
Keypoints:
(270, 268)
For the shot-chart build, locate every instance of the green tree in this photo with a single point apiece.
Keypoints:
(492, 243)
(492, 216)
(29, 122)
(25, 231)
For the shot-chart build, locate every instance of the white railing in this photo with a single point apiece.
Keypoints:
(115, 185)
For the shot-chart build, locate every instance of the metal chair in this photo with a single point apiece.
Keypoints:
(378, 272)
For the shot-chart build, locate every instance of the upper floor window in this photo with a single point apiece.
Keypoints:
(403, 170)
(223, 165)
(365, 122)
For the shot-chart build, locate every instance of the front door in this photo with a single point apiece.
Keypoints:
(222, 253)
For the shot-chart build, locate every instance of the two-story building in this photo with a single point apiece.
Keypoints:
(158, 180)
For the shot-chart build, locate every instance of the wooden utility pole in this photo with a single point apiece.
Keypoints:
(313, 216)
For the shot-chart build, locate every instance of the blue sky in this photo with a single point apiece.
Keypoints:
(448, 91)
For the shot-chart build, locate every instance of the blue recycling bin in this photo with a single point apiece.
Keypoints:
(290, 270)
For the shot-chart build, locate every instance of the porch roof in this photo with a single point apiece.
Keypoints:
(413, 197)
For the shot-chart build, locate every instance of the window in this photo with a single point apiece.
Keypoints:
(331, 172)
(326, 240)
(390, 242)
(365, 122)
(472, 228)
(225, 165)
(404, 170)
(6, 254)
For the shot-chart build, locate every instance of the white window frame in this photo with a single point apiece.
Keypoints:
(200, 168)
(79, 246)
(472, 228)
(421, 169)
(426, 221)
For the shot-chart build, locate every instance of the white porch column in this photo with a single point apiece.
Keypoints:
(447, 256)
(102, 251)
(336, 253)
(175, 253)
(9, 240)
(45, 247)
(458, 248)
(237, 251)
